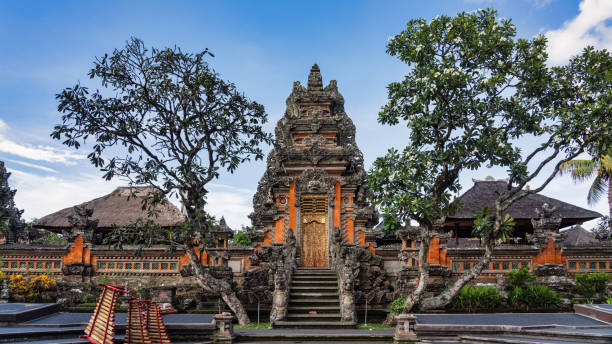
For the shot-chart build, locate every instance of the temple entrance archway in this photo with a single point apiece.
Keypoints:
(314, 243)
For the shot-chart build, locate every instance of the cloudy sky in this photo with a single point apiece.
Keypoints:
(261, 46)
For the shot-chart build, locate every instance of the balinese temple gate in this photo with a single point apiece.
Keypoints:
(314, 180)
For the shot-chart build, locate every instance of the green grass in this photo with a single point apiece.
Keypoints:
(254, 326)
(374, 326)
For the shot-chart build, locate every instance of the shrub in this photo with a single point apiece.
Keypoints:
(589, 284)
(534, 297)
(608, 300)
(242, 239)
(89, 298)
(398, 305)
(18, 285)
(41, 283)
(472, 299)
(520, 277)
(2, 276)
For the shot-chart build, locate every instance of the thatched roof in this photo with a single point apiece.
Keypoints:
(578, 236)
(485, 192)
(116, 208)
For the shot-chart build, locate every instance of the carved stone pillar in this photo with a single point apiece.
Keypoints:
(224, 328)
(405, 329)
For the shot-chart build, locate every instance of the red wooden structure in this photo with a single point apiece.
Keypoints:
(136, 331)
(155, 324)
(101, 326)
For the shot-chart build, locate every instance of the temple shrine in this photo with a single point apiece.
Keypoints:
(315, 178)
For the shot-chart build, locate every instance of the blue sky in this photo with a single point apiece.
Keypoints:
(261, 46)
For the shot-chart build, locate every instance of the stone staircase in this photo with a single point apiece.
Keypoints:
(314, 301)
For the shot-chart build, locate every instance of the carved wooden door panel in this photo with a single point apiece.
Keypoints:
(314, 234)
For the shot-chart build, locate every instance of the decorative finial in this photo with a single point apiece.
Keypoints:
(315, 81)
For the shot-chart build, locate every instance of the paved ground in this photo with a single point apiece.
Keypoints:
(606, 331)
(516, 319)
(532, 340)
(10, 308)
(120, 318)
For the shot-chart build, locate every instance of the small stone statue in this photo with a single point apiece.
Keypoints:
(5, 294)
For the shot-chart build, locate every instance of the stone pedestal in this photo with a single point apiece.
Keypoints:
(224, 328)
(404, 331)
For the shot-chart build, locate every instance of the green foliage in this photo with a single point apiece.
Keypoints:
(242, 239)
(590, 283)
(254, 326)
(49, 238)
(472, 91)
(534, 297)
(104, 280)
(520, 277)
(603, 230)
(374, 326)
(144, 293)
(164, 119)
(608, 300)
(398, 305)
(484, 226)
(600, 171)
(477, 299)
(90, 298)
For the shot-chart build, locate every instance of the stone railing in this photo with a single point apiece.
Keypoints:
(282, 264)
(344, 261)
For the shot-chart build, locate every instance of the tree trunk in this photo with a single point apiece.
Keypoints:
(413, 298)
(447, 296)
(209, 282)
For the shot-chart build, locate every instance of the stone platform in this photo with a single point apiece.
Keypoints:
(20, 312)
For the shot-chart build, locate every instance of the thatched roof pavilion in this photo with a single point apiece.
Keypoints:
(115, 209)
(485, 192)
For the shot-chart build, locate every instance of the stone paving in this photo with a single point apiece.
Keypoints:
(515, 319)
(58, 319)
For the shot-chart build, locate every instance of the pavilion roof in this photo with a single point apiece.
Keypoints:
(117, 209)
(485, 192)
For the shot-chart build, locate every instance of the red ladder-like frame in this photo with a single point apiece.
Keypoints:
(101, 326)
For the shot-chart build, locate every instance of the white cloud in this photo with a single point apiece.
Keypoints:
(542, 3)
(42, 195)
(590, 27)
(39, 152)
(235, 204)
(36, 166)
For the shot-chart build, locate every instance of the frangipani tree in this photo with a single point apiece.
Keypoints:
(171, 123)
(473, 92)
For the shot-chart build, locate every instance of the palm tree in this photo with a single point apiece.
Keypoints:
(583, 170)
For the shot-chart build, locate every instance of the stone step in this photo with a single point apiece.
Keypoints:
(312, 302)
(314, 284)
(318, 309)
(314, 278)
(315, 273)
(313, 317)
(318, 295)
(308, 288)
(315, 324)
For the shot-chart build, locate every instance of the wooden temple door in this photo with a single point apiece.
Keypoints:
(314, 251)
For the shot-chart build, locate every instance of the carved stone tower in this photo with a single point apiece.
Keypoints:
(315, 179)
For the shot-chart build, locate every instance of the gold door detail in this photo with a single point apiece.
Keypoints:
(314, 233)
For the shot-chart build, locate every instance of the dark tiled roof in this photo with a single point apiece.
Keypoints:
(486, 192)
